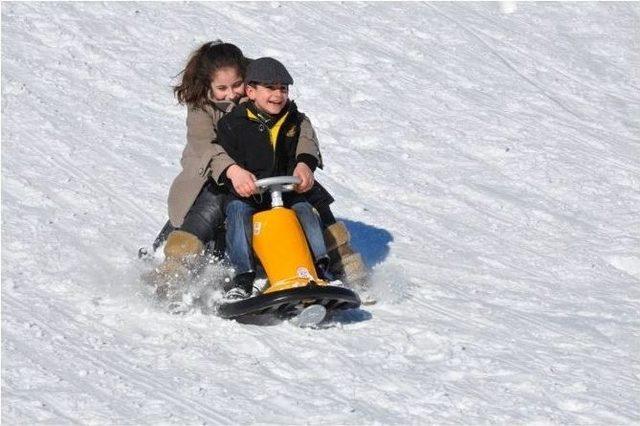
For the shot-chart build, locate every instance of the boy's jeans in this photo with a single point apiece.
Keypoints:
(240, 233)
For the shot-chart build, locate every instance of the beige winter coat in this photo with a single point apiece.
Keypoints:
(197, 156)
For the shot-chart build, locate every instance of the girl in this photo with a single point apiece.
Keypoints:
(212, 85)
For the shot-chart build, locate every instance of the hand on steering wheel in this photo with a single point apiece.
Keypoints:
(243, 181)
(305, 174)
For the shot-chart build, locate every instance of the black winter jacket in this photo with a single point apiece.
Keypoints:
(246, 139)
(248, 143)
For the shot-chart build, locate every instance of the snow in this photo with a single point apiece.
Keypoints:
(483, 155)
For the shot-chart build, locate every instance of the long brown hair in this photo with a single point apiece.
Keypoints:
(203, 62)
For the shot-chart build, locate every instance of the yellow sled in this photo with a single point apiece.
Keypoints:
(281, 246)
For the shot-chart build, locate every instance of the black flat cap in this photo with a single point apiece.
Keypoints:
(268, 71)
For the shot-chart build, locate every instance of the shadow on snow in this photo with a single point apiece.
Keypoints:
(370, 241)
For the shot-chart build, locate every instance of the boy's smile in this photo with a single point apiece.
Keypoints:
(270, 98)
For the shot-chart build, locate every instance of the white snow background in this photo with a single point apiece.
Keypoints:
(487, 164)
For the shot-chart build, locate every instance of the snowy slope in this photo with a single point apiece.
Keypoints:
(487, 165)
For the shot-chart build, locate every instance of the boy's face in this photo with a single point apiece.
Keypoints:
(270, 98)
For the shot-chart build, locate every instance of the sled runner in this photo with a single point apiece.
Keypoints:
(293, 282)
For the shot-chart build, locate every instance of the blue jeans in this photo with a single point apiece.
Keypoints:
(240, 233)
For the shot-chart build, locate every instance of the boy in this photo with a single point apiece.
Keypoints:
(261, 136)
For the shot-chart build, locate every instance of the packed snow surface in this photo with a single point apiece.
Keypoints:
(486, 163)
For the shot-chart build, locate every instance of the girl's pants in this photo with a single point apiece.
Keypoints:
(206, 215)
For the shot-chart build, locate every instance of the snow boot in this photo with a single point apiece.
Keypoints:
(182, 254)
(240, 287)
(322, 269)
(345, 262)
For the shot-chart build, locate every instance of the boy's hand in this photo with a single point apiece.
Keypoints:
(243, 181)
(306, 177)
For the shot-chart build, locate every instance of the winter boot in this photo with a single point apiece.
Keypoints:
(240, 287)
(345, 263)
(322, 269)
(182, 253)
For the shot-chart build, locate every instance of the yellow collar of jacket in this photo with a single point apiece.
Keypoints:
(273, 131)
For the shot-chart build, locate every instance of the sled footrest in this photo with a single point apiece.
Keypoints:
(287, 302)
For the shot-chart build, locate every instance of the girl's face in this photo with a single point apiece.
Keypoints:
(227, 85)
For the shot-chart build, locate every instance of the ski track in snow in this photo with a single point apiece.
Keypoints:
(486, 164)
